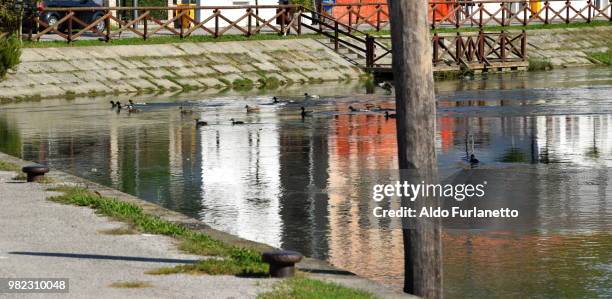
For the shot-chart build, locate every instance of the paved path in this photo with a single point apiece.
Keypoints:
(42, 239)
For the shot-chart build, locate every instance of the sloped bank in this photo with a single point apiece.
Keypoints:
(55, 72)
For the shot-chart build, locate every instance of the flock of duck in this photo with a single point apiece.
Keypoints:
(131, 108)
(368, 108)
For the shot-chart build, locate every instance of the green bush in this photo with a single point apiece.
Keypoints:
(9, 17)
(158, 14)
(305, 3)
(10, 51)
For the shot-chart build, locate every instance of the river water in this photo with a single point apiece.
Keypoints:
(302, 183)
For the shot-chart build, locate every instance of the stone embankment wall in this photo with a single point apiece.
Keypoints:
(53, 72)
(569, 46)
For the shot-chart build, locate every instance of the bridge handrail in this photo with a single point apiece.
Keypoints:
(116, 8)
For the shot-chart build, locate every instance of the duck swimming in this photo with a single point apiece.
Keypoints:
(236, 122)
(310, 96)
(388, 115)
(305, 113)
(353, 109)
(275, 100)
(386, 85)
(185, 111)
(200, 123)
(473, 160)
(113, 104)
(131, 109)
(132, 103)
(250, 109)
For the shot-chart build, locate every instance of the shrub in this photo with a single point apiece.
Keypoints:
(9, 17)
(305, 3)
(10, 51)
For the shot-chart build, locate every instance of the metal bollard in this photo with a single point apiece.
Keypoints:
(282, 262)
(35, 172)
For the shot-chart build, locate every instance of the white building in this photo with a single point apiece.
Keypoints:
(234, 14)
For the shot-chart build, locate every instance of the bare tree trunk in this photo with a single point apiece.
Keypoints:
(416, 109)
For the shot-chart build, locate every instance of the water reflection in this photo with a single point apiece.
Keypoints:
(303, 183)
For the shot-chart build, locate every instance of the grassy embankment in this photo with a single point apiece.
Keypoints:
(311, 288)
(7, 166)
(602, 57)
(226, 259)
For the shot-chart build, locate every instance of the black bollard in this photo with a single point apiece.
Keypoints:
(35, 172)
(282, 262)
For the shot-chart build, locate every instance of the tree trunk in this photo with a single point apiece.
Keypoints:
(416, 110)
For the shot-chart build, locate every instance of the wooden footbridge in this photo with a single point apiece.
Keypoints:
(356, 31)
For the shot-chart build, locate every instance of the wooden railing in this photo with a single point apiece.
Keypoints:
(477, 13)
(464, 49)
(484, 48)
(358, 15)
(343, 34)
(216, 21)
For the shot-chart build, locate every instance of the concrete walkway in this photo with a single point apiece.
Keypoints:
(43, 239)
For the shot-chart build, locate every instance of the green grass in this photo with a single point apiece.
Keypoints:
(118, 231)
(232, 260)
(539, 64)
(216, 267)
(190, 241)
(602, 57)
(163, 40)
(131, 284)
(7, 166)
(303, 288)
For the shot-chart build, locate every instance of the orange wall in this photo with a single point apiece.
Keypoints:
(369, 11)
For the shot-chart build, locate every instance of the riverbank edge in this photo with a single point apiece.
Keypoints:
(216, 67)
(316, 269)
(207, 67)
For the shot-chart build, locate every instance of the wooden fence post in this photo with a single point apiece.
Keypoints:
(433, 16)
(457, 14)
(283, 20)
(435, 49)
(350, 15)
(480, 13)
(182, 27)
(299, 21)
(458, 48)
(589, 11)
(567, 11)
(378, 8)
(525, 5)
(336, 37)
(107, 24)
(249, 25)
(524, 45)
(369, 51)
(502, 46)
(145, 26)
(503, 11)
(546, 12)
(216, 12)
(481, 46)
(69, 27)
(416, 111)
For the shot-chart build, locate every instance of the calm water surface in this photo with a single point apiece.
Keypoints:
(303, 184)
